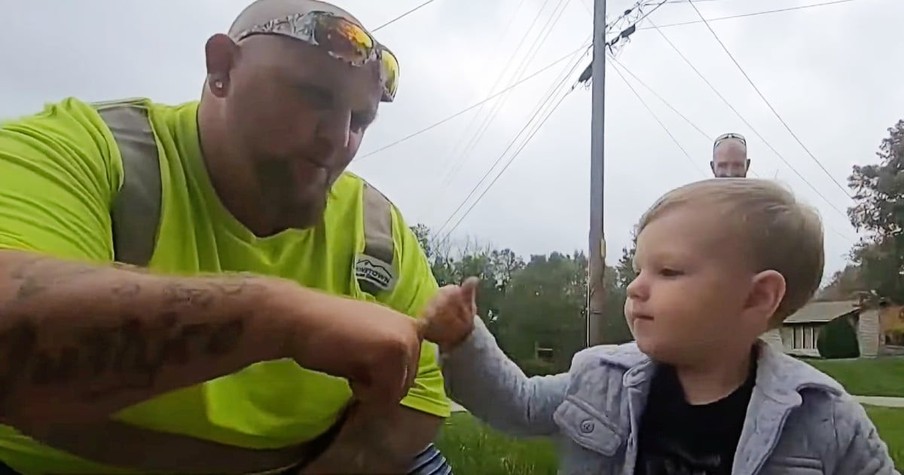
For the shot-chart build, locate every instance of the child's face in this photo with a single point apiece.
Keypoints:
(687, 302)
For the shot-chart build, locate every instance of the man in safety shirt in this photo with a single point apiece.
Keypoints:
(251, 343)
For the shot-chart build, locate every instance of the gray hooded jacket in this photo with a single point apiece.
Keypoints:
(799, 420)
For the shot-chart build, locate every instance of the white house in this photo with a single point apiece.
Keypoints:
(800, 332)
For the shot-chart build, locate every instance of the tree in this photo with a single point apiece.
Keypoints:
(615, 281)
(425, 238)
(494, 268)
(544, 306)
(880, 268)
(879, 188)
(624, 270)
(879, 209)
(615, 327)
(541, 303)
(845, 284)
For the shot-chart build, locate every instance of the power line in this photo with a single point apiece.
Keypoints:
(625, 69)
(631, 17)
(766, 101)
(494, 111)
(548, 99)
(475, 105)
(745, 15)
(695, 1)
(744, 120)
(504, 168)
(667, 104)
(403, 15)
(655, 117)
(454, 151)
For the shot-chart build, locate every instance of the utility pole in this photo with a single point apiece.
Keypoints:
(597, 265)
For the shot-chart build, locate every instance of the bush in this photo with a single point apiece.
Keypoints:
(838, 339)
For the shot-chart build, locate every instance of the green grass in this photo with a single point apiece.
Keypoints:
(890, 423)
(473, 448)
(866, 377)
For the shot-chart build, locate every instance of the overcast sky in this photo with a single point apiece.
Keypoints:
(832, 72)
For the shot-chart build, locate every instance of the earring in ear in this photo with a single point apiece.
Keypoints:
(218, 84)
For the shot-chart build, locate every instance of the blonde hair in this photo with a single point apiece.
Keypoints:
(778, 232)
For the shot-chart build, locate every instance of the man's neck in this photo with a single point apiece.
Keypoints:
(231, 183)
(715, 379)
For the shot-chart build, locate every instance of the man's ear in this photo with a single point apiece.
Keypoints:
(220, 52)
(747, 167)
(712, 166)
(767, 290)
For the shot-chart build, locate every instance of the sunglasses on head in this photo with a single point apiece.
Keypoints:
(340, 37)
(730, 135)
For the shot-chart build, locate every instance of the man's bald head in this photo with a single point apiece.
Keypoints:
(730, 158)
(283, 114)
(262, 11)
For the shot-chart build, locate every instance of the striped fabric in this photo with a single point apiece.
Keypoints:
(430, 462)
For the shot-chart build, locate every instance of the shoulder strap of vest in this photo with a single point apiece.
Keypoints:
(136, 208)
(375, 267)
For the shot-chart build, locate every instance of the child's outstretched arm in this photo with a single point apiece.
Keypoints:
(860, 450)
(480, 377)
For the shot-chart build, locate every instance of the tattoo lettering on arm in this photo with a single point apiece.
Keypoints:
(32, 284)
(16, 346)
(132, 352)
(94, 350)
(32, 276)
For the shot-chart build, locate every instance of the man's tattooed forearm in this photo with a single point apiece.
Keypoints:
(36, 274)
(127, 356)
(34, 277)
(149, 325)
(17, 346)
(180, 295)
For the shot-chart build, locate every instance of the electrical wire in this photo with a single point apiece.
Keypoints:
(504, 168)
(745, 15)
(403, 15)
(532, 51)
(745, 121)
(468, 129)
(767, 102)
(624, 68)
(534, 74)
(448, 118)
(708, 137)
(548, 100)
(656, 118)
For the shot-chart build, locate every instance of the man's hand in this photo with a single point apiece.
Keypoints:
(449, 317)
(374, 347)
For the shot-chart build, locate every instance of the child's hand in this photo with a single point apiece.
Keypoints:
(449, 317)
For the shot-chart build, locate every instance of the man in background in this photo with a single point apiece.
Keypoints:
(730, 156)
